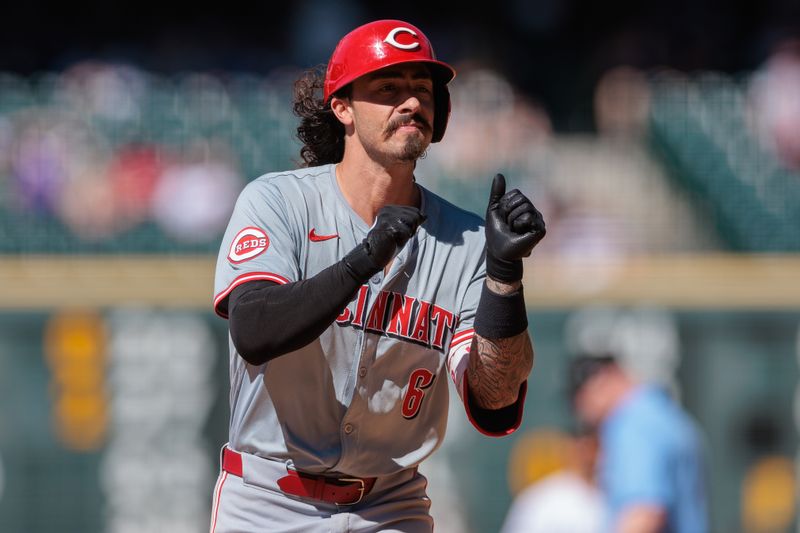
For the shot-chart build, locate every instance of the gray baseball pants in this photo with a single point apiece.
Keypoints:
(253, 503)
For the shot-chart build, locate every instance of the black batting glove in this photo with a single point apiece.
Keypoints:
(513, 227)
(394, 226)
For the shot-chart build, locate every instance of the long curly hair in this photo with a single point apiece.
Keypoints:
(320, 131)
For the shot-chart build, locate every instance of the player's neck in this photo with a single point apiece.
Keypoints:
(367, 186)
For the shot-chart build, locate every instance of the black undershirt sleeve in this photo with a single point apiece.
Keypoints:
(495, 420)
(267, 320)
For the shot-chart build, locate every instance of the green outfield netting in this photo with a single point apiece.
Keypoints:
(705, 126)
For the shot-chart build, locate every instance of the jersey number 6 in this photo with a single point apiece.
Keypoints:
(420, 380)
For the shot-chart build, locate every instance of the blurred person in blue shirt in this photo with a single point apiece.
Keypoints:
(651, 469)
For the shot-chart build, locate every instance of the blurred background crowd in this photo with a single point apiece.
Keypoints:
(665, 128)
(138, 134)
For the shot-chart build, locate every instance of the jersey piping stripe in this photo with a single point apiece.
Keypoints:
(459, 339)
(217, 494)
(244, 278)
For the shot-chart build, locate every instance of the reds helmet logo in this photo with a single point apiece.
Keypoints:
(248, 243)
(392, 39)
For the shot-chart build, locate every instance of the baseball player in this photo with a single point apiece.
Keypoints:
(354, 295)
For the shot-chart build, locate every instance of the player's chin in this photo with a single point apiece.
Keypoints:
(413, 148)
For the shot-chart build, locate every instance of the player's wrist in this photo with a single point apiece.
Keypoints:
(502, 287)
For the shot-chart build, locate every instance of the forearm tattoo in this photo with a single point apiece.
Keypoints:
(497, 367)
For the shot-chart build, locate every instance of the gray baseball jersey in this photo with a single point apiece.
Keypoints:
(369, 397)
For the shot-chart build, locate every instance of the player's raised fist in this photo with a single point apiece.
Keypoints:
(513, 227)
(394, 226)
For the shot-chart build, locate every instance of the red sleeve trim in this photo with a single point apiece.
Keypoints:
(520, 404)
(244, 278)
(461, 336)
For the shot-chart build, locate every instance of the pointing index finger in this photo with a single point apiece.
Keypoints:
(498, 188)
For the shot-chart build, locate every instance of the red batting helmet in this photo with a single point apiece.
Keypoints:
(384, 43)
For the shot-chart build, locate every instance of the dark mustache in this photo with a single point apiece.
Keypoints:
(406, 120)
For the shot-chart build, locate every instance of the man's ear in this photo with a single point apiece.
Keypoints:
(342, 110)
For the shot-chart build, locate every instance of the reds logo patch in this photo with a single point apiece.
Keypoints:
(248, 243)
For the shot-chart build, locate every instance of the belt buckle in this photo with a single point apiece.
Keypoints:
(361, 489)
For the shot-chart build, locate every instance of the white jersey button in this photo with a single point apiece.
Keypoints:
(348, 428)
(362, 371)
(376, 279)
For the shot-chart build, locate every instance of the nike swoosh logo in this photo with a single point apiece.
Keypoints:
(312, 236)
